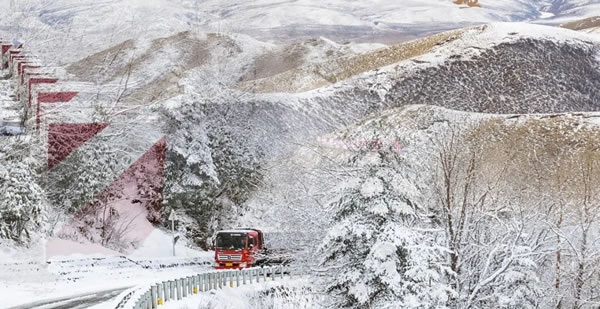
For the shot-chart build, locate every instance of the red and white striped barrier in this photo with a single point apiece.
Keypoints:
(64, 114)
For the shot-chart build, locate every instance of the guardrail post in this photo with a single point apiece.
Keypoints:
(221, 279)
(182, 281)
(230, 278)
(257, 271)
(200, 282)
(172, 294)
(147, 300)
(190, 281)
(237, 277)
(244, 276)
(153, 292)
(167, 290)
(281, 271)
(186, 286)
(196, 281)
(161, 294)
(204, 282)
(273, 272)
(179, 286)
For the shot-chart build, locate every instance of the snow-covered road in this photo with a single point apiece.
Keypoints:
(86, 280)
(82, 301)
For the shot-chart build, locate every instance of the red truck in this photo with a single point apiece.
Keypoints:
(239, 248)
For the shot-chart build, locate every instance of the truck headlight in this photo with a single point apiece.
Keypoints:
(243, 265)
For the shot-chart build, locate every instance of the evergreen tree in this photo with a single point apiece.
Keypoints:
(22, 202)
(379, 255)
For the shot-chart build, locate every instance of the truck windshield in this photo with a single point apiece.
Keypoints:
(231, 241)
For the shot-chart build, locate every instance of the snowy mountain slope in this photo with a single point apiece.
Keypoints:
(583, 24)
(515, 65)
(589, 25)
(529, 69)
(333, 16)
(153, 69)
(567, 11)
(321, 72)
(431, 50)
(287, 57)
(75, 29)
(230, 139)
(498, 68)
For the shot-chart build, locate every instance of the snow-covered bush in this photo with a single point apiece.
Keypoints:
(22, 206)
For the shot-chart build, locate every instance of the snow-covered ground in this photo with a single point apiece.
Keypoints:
(26, 277)
(284, 293)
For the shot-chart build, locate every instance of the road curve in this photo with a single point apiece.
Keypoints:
(75, 302)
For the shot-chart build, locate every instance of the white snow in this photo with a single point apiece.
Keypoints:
(371, 187)
(544, 15)
(26, 277)
(250, 297)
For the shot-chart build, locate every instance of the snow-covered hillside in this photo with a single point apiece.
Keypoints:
(59, 26)
(223, 140)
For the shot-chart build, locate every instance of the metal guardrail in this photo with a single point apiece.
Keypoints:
(173, 290)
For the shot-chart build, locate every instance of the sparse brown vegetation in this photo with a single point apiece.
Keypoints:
(583, 24)
(179, 53)
(317, 75)
(538, 175)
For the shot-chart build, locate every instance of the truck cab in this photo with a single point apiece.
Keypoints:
(238, 248)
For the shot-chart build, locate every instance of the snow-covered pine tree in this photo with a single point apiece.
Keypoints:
(375, 254)
(22, 206)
